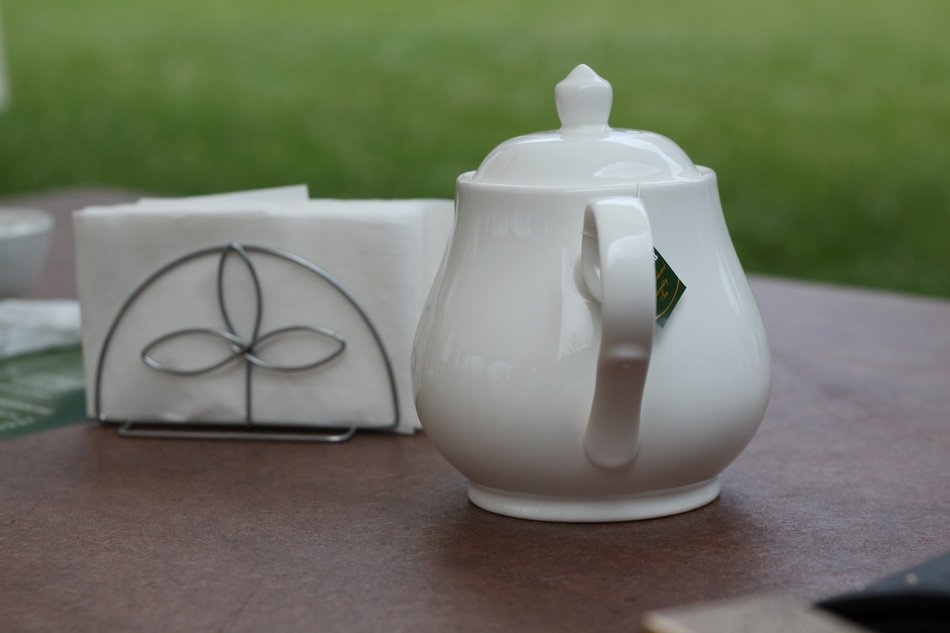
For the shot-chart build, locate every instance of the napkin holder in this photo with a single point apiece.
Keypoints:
(224, 317)
(241, 348)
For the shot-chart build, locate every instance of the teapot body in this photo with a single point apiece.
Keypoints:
(506, 354)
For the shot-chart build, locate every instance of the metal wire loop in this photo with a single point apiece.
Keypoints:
(244, 347)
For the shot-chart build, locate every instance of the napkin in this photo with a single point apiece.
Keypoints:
(35, 325)
(383, 254)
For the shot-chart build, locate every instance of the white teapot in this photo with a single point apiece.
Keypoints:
(540, 368)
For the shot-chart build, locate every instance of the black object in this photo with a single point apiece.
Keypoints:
(913, 601)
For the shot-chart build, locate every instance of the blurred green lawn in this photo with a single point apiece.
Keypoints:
(828, 122)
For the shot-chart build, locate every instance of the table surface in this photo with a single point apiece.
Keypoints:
(847, 480)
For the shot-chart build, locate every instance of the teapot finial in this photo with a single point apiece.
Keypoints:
(583, 99)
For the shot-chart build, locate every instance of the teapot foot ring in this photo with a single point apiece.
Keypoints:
(647, 505)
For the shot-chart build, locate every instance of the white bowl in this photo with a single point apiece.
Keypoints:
(24, 245)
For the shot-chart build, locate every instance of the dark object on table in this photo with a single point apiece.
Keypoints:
(912, 601)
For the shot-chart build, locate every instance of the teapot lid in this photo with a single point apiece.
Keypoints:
(586, 151)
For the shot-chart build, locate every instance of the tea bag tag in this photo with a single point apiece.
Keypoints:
(669, 289)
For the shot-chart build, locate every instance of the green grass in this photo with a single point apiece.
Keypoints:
(828, 122)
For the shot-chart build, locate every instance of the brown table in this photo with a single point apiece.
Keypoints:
(847, 480)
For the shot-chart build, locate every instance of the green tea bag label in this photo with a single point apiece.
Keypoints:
(669, 289)
(41, 391)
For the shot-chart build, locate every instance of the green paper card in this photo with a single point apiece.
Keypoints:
(41, 391)
(669, 289)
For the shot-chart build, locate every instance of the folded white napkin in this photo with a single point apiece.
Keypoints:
(384, 255)
(28, 326)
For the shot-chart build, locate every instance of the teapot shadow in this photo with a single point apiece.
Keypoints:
(524, 575)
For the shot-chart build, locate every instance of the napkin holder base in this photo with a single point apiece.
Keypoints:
(247, 429)
(233, 431)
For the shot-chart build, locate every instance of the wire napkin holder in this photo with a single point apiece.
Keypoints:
(242, 348)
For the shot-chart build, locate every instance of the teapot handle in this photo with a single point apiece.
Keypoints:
(619, 272)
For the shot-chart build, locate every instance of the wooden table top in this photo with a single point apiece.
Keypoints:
(847, 480)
